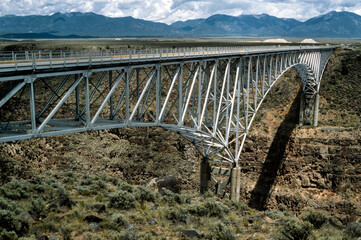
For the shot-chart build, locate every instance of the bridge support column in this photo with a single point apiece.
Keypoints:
(205, 175)
(316, 107)
(235, 183)
(302, 109)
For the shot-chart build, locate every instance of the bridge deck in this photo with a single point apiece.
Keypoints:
(13, 65)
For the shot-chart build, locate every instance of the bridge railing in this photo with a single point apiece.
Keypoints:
(48, 59)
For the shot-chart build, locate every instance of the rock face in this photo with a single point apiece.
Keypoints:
(306, 167)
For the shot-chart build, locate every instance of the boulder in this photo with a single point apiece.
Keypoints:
(94, 227)
(98, 207)
(190, 234)
(61, 200)
(92, 219)
(171, 183)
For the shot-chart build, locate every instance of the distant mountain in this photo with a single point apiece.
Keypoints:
(245, 25)
(84, 24)
(332, 24)
(75, 24)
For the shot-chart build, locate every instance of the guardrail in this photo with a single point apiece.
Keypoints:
(10, 61)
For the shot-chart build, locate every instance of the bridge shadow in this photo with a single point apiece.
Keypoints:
(275, 157)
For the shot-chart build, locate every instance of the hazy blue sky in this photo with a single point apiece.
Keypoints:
(169, 11)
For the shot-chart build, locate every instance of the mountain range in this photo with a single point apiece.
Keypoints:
(75, 24)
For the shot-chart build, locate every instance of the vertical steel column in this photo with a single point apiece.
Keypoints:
(32, 104)
(205, 175)
(77, 104)
(87, 103)
(238, 86)
(158, 93)
(264, 74)
(127, 79)
(302, 107)
(316, 107)
(111, 97)
(200, 88)
(138, 93)
(227, 99)
(247, 95)
(180, 93)
(276, 68)
(270, 72)
(235, 183)
(256, 87)
(215, 91)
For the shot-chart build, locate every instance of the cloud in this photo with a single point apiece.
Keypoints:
(169, 11)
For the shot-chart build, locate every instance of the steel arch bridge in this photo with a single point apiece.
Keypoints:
(210, 96)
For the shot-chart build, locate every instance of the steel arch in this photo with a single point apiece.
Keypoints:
(210, 96)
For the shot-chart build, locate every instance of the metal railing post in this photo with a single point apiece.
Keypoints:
(33, 60)
(50, 58)
(90, 58)
(16, 62)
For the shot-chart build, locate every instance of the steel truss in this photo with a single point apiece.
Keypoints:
(211, 101)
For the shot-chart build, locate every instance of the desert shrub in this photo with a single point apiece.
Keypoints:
(97, 185)
(37, 207)
(327, 232)
(114, 235)
(282, 207)
(238, 206)
(8, 235)
(9, 206)
(208, 194)
(295, 230)
(172, 197)
(16, 189)
(69, 177)
(119, 219)
(127, 235)
(275, 214)
(92, 236)
(210, 208)
(68, 180)
(317, 219)
(65, 231)
(149, 236)
(215, 208)
(84, 191)
(125, 186)
(130, 235)
(89, 186)
(40, 188)
(142, 193)
(32, 237)
(176, 214)
(122, 200)
(353, 229)
(86, 181)
(11, 226)
(70, 174)
(104, 177)
(220, 231)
